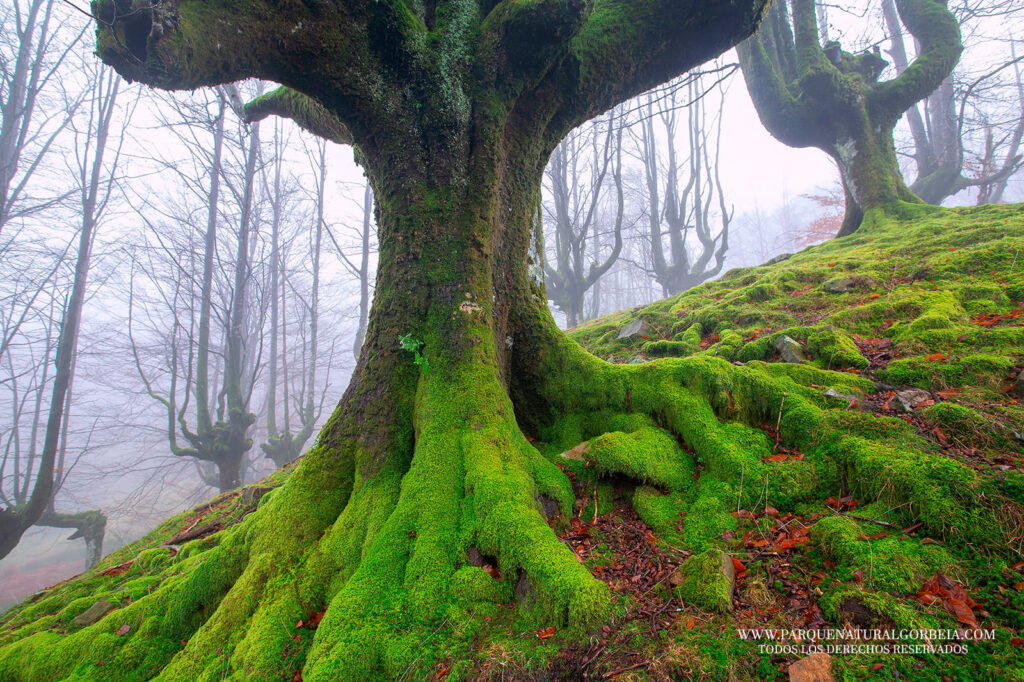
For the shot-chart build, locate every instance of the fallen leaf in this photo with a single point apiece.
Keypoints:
(876, 536)
(936, 357)
(771, 511)
(776, 458)
(545, 633)
(123, 630)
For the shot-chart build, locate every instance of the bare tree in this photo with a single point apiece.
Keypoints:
(26, 137)
(95, 178)
(283, 444)
(682, 210)
(577, 173)
(219, 435)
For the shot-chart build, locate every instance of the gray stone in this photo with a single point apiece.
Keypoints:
(576, 453)
(854, 402)
(93, 613)
(549, 506)
(790, 350)
(912, 397)
(841, 285)
(637, 360)
(778, 259)
(634, 329)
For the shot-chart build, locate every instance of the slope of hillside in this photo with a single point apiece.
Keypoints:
(831, 442)
(909, 336)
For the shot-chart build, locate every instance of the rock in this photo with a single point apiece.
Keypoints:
(814, 668)
(853, 402)
(778, 259)
(1018, 384)
(634, 329)
(93, 613)
(790, 350)
(841, 285)
(475, 557)
(549, 506)
(912, 397)
(577, 452)
(854, 611)
(707, 580)
(637, 360)
(525, 594)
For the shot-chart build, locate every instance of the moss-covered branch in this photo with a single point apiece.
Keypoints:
(938, 37)
(305, 111)
(628, 46)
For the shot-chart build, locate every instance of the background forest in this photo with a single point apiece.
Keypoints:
(222, 270)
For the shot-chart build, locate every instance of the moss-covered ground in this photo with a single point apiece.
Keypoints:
(707, 487)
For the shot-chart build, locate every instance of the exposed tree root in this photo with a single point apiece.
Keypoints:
(386, 555)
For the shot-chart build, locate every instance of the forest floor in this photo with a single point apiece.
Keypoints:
(909, 333)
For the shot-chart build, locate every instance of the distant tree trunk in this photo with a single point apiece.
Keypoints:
(33, 65)
(285, 445)
(578, 186)
(94, 192)
(234, 439)
(364, 270)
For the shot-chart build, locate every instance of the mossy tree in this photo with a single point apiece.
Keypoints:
(455, 107)
(808, 95)
(937, 133)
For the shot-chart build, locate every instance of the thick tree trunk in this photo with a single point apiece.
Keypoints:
(869, 170)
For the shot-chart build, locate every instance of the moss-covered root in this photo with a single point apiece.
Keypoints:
(717, 408)
(384, 556)
(474, 481)
(215, 594)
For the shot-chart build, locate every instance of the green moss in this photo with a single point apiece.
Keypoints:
(968, 427)
(834, 350)
(649, 455)
(979, 369)
(896, 563)
(708, 518)
(704, 583)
